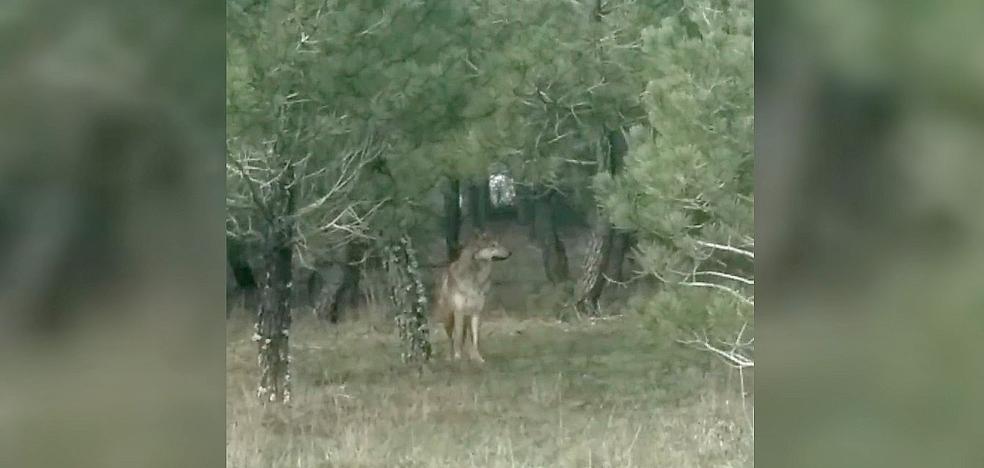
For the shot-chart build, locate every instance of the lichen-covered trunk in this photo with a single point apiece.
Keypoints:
(452, 219)
(347, 294)
(273, 323)
(409, 299)
(551, 246)
(272, 326)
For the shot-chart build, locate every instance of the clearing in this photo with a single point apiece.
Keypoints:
(589, 393)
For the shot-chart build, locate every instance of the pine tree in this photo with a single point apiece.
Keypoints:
(687, 186)
(337, 92)
(291, 168)
(551, 80)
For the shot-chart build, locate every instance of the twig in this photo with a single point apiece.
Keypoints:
(727, 276)
(727, 247)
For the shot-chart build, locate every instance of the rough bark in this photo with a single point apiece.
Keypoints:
(347, 294)
(409, 299)
(273, 325)
(452, 219)
(608, 245)
(273, 321)
(592, 282)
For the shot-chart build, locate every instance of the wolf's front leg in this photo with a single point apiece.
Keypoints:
(458, 341)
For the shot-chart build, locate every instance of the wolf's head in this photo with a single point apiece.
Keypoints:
(489, 249)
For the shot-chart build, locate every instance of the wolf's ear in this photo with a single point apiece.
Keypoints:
(474, 234)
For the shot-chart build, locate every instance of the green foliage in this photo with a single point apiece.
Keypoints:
(694, 153)
(550, 78)
(317, 78)
(688, 175)
(453, 88)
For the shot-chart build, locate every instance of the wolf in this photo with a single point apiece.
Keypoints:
(462, 290)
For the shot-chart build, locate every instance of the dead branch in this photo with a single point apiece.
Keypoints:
(253, 190)
(702, 284)
(726, 276)
(733, 356)
(727, 248)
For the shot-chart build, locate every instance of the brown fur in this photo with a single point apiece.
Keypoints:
(462, 291)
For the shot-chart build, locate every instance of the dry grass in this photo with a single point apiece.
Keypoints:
(551, 394)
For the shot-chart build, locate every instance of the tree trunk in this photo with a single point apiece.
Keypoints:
(474, 213)
(315, 286)
(409, 298)
(556, 262)
(524, 205)
(273, 325)
(552, 248)
(452, 219)
(479, 203)
(347, 294)
(485, 201)
(621, 243)
(232, 290)
(606, 242)
(592, 283)
(273, 321)
(241, 285)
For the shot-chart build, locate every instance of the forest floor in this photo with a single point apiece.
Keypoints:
(551, 394)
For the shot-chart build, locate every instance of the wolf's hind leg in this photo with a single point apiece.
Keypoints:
(449, 329)
(475, 318)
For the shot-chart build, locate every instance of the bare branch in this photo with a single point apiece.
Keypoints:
(727, 248)
(254, 190)
(579, 163)
(732, 357)
(352, 164)
(733, 292)
(727, 276)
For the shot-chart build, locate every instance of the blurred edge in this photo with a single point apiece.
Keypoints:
(871, 313)
(112, 137)
(870, 129)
